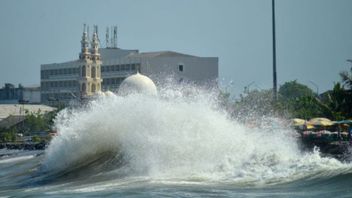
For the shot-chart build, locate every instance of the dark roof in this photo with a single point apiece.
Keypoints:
(11, 121)
(160, 54)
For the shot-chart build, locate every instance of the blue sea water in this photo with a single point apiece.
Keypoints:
(21, 177)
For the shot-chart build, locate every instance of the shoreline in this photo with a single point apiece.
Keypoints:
(23, 146)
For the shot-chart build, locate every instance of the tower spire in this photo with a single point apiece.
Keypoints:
(84, 44)
(96, 63)
(95, 44)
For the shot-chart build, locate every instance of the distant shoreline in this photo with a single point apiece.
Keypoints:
(23, 146)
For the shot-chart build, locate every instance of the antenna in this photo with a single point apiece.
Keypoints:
(115, 36)
(107, 37)
(84, 27)
(112, 38)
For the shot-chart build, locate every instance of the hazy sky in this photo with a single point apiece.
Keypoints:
(314, 37)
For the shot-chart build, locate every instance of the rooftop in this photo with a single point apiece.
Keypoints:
(20, 109)
(159, 54)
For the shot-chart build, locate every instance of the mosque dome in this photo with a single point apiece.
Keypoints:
(137, 83)
(108, 93)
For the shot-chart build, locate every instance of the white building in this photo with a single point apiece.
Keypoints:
(10, 94)
(61, 82)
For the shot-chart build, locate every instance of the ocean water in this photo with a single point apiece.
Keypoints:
(179, 144)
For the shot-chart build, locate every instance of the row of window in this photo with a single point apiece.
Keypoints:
(53, 72)
(125, 67)
(57, 96)
(73, 83)
(112, 81)
(56, 84)
(71, 71)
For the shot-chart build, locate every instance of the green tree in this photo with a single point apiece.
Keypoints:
(36, 139)
(9, 135)
(346, 78)
(308, 107)
(297, 100)
(35, 121)
(337, 102)
(39, 121)
(254, 103)
(293, 90)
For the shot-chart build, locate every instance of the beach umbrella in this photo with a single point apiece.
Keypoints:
(298, 122)
(320, 122)
(309, 126)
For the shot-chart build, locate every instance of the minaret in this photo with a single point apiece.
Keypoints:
(96, 63)
(85, 54)
(85, 65)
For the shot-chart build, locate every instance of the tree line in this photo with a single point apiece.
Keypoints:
(295, 100)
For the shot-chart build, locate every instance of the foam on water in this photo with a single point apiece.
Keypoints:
(16, 159)
(181, 137)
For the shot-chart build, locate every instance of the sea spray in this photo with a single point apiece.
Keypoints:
(179, 136)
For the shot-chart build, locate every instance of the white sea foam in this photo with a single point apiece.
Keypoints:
(15, 159)
(181, 138)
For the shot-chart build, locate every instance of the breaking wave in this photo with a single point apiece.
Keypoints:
(179, 136)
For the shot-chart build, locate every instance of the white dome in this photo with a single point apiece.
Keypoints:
(138, 83)
(108, 93)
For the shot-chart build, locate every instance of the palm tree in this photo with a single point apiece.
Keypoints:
(347, 79)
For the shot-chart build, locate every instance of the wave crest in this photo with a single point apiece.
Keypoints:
(180, 136)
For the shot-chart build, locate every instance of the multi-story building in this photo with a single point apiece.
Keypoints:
(10, 94)
(105, 68)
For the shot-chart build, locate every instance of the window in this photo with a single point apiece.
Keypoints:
(180, 68)
(88, 72)
(84, 71)
(93, 72)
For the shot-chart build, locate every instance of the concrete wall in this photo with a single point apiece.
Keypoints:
(195, 70)
(31, 95)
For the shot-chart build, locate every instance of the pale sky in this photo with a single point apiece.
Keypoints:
(314, 37)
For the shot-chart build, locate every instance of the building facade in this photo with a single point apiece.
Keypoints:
(10, 94)
(102, 69)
